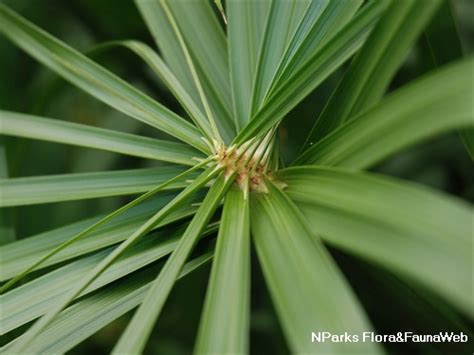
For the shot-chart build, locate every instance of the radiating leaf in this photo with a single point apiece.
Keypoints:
(317, 68)
(138, 330)
(68, 187)
(207, 44)
(322, 20)
(435, 103)
(283, 19)
(224, 327)
(94, 79)
(118, 212)
(160, 68)
(89, 315)
(375, 65)
(34, 298)
(309, 292)
(35, 127)
(91, 276)
(246, 22)
(16, 257)
(419, 233)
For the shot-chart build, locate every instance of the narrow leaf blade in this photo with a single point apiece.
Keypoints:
(224, 324)
(307, 288)
(90, 314)
(317, 68)
(375, 65)
(435, 103)
(69, 187)
(134, 339)
(246, 21)
(94, 79)
(421, 234)
(35, 127)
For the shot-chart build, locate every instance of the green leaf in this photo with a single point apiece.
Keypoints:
(35, 127)
(46, 320)
(246, 22)
(282, 22)
(322, 21)
(375, 65)
(435, 103)
(102, 221)
(417, 232)
(160, 68)
(33, 299)
(68, 187)
(224, 327)
(16, 257)
(309, 292)
(94, 79)
(90, 314)
(207, 45)
(138, 330)
(317, 68)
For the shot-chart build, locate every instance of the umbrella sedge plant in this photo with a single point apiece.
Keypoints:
(237, 69)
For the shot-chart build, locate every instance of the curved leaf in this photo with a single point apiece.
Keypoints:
(94, 79)
(375, 65)
(419, 233)
(437, 102)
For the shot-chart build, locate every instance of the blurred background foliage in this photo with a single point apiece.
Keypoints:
(25, 86)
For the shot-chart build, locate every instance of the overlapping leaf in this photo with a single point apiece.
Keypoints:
(438, 102)
(16, 257)
(225, 320)
(89, 315)
(207, 45)
(419, 233)
(307, 288)
(94, 79)
(134, 339)
(374, 66)
(245, 30)
(316, 68)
